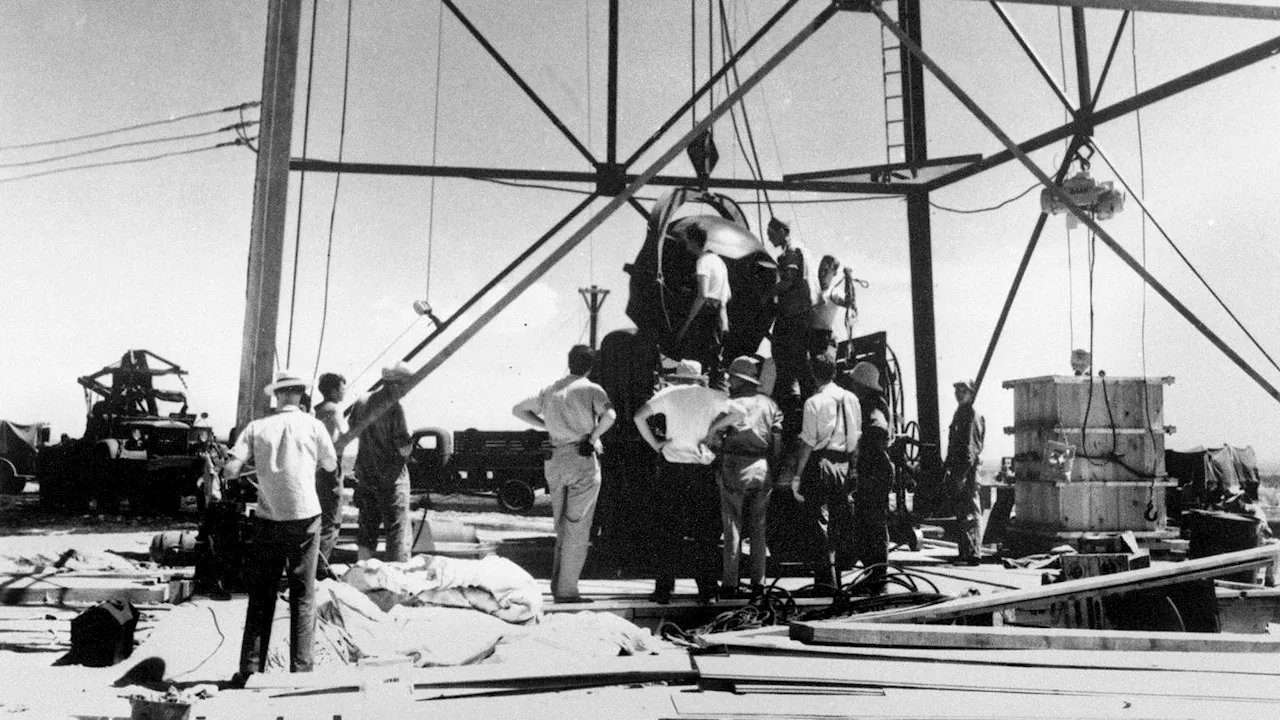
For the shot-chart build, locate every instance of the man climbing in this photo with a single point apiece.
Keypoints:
(796, 291)
(701, 337)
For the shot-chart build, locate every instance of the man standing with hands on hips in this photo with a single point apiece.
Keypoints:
(575, 412)
(285, 449)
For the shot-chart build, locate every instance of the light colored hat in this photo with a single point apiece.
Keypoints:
(688, 370)
(866, 375)
(397, 373)
(967, 385)
(287, 379)
(746, 368)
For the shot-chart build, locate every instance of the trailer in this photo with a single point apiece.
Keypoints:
(19, 447)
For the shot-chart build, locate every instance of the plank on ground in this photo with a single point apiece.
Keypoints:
(837, 632)
(72, 590)
(1133, 580)
(985, 678)
(776, 640)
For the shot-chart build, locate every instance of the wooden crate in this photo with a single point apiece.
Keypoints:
(1090, 506)
(1138, 453)
(1062, 401)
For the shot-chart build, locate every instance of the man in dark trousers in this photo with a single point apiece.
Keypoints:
(874, 473)
(575, 412)
(382, 489)
(688, 499)
(831, 426)
(960, 471)
(286, 449)
(797, 293)
(333, 389)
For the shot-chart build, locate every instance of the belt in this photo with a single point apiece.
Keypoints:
(834, 455)
(757, 454)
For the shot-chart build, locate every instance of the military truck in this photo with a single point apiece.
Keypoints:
(20, 445)
(507, 463)
(132, 452)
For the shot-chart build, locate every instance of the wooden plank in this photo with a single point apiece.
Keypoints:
(835, 632)
(1169, 574)
(70, 590)
(867, 672)
(776, 640)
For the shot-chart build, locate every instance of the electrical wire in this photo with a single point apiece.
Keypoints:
(385, 350)
(826, 201)
(746, 118)
(974, 211)
(130, 161)
(337, 184)
(230, 108)
(238, 128)
(302, 187)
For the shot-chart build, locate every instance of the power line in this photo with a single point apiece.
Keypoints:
(974, 211)
(153, 123)
(238, 127)
(131, 161)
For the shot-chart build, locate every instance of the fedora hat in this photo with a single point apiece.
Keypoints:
(397, 373)
(866, 375)
(287, 379)
(746, 368)
(688, 370)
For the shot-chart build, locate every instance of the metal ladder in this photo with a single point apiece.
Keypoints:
(895, 124)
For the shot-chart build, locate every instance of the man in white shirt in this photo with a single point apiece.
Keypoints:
(701, 337)
(285, 449)
(575, 412)
(831, 426)
(836, 306)
(688, 496)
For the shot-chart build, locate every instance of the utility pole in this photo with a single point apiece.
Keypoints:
(270, 198)
(594, 297)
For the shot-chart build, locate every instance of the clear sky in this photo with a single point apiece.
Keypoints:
(153, 254)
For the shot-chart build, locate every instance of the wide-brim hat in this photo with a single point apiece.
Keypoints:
(287, 379)
(745, 367)
(688, 370)
(866, 375)
(397, 373)
(966, 385)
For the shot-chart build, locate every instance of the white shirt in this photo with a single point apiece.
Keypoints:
(828, 314)
(712, 267)
(824, 427)
(570, 408)
(689, 410)
(285, 448)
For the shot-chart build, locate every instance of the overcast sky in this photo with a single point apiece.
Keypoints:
(153, 254)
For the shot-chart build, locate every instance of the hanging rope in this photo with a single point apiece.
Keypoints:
(337, 184)
(435, 129)
(758, 172)
(302, 187)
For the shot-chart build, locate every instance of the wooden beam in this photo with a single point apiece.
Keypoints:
(1221, 687)
(1173, 7)
(776, 640)
(1133, 580)
(835, 632)
(270, 201)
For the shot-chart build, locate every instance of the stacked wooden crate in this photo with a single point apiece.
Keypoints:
(1089, 456)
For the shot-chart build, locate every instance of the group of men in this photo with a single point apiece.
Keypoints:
(296, 460)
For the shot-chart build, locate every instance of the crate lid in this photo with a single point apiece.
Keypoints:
(1085, 379)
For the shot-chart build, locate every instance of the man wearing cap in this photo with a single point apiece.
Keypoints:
(873, 476)
(687, 497)
(797, 293)
(285, 449)
(749, 459)
(701, 337)
(964, 446)
(382, 488)
(832, 424)
(575, 412)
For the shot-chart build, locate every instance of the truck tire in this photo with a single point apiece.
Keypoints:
(515, 496)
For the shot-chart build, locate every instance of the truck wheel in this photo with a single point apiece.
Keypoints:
(515, 496)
